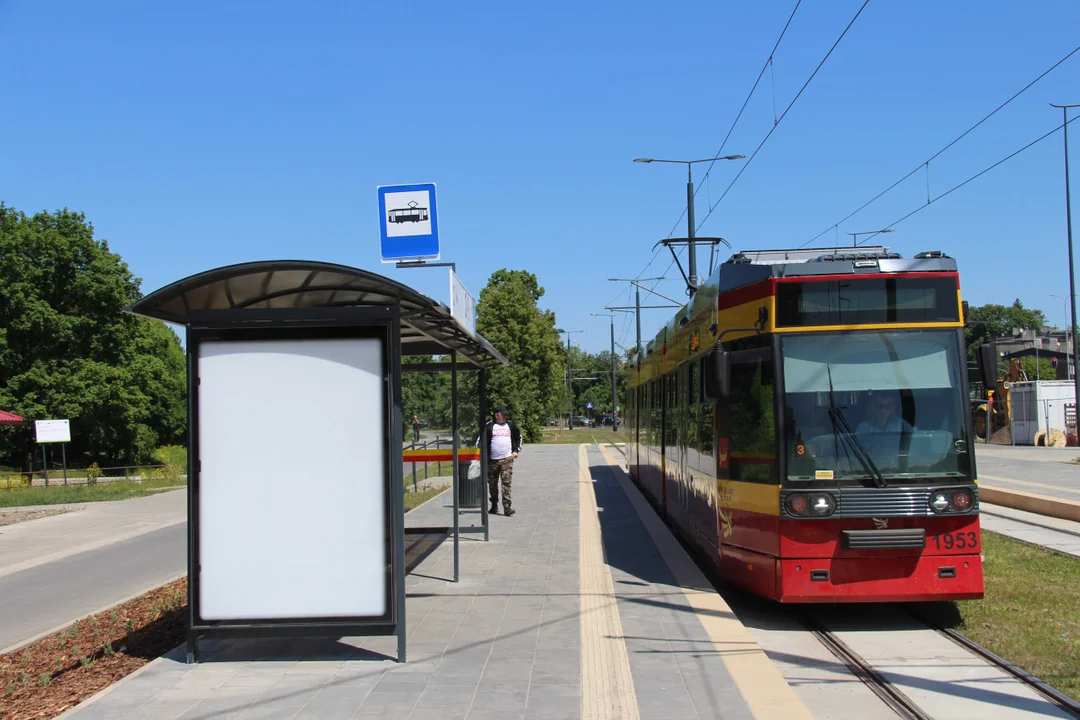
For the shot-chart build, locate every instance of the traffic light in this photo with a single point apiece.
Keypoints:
(1053, 362)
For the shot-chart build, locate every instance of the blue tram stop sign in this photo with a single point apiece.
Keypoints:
(408, 222)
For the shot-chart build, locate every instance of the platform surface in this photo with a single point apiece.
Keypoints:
(580, 605)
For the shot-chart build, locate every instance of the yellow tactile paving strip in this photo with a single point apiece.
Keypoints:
(607, 687)
(761, 684)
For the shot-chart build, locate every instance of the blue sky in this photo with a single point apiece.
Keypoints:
(200, 134)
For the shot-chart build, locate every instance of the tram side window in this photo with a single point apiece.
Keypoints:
(654, 421)
(669, 416)
(705, 428)
(693, 410)
(753, 423)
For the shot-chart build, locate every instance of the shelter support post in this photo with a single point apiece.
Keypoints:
(455, 429)
(481, 389)
(192, 495)
(396, 473)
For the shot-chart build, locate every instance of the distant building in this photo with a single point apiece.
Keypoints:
(1047, 344)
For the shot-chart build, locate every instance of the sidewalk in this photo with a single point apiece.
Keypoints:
(1031, 528)
(88, 526)
(581, 605)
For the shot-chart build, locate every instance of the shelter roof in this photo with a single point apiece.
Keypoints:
(427, 328)
(8, 418)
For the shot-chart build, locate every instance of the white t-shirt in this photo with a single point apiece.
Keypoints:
(500, 442)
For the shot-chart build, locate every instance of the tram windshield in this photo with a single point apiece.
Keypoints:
(874, 408)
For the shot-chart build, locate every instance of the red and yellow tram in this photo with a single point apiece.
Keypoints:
(802, 422)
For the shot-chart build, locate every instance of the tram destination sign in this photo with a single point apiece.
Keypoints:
(408, 222)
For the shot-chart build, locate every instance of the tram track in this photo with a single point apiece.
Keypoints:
(887, 692)
(893, 696)
(1063, 702)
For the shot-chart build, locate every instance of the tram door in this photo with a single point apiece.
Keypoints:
(746, 452)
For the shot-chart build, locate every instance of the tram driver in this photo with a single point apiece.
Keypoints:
(883, 416)
(882, 429)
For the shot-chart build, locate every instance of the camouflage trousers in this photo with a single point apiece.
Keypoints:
(500, 470)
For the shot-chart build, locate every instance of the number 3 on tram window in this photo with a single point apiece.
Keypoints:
(958, 541)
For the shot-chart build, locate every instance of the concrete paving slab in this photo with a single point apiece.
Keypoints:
(1053, 533)
(508, 641)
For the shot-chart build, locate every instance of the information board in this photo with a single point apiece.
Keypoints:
(52, 431)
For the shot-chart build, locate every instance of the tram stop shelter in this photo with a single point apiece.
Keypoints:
(295, 448)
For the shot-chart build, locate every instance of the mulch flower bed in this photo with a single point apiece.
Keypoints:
(58, 672)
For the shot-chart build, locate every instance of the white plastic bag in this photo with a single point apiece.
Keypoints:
(474, 470)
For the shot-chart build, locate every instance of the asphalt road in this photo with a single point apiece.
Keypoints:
(43, 597)
(1040, 471)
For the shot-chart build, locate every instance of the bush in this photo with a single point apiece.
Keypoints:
(171, 474)
(12, 482)
(1046, 369)
(171, 455)
(92, 474)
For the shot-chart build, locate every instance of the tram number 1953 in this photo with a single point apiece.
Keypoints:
(957, 540)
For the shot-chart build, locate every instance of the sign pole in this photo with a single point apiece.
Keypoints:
(45, 464)
(63, 454)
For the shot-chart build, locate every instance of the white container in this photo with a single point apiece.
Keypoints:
(1038, 406)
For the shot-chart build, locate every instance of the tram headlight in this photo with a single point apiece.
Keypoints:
(811, 505)
(945, 502)
(822, 505)
(940, 503)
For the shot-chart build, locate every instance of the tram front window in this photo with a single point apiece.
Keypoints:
(871, 408)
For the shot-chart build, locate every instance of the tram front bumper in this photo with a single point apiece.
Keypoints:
(920, 578)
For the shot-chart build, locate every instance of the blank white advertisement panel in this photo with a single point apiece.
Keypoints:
(292, 506)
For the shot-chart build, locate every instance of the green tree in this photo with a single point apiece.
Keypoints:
(598, 389)
(986, 322)
(425, 394)
(508, 316)
(1045, 369)
(68, 349)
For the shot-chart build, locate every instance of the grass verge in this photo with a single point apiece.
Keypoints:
(583, 435)
(58, 494)
(432, 470)
(414, 499)
(1030, 614)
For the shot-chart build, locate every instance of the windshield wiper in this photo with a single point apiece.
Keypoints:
(855, 446)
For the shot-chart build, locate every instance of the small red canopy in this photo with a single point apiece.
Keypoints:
(7, 418)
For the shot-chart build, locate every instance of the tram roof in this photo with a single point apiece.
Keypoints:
(427, 328)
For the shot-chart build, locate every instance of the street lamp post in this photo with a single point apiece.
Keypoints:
(855, 236)
(636, 282)
(1068, 332)
(569, 380)
(614, 395)
(692, 262)
(1072, 276)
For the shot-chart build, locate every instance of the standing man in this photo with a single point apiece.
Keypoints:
(503, 443)
(415, 429)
